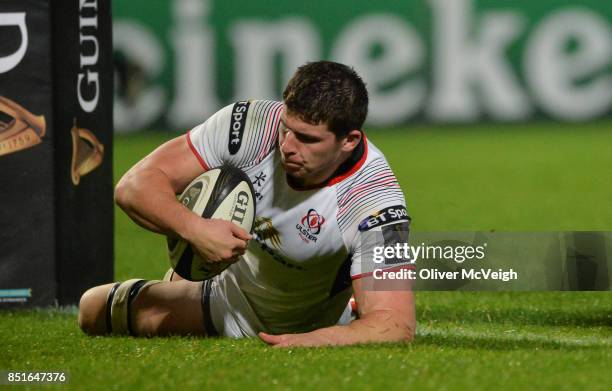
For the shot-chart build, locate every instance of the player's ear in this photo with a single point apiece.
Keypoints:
(351, 140)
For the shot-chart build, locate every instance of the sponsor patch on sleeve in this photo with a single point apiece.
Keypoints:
(388, 215)
(237, 125)
(394, 234)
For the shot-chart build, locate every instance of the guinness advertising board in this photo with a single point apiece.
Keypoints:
(56, 197)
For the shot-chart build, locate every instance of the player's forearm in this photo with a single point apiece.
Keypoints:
(379, 326)
(149, 199)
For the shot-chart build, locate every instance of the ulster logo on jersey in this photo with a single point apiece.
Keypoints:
(310, 226)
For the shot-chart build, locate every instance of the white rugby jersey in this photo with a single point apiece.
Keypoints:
(296, 274)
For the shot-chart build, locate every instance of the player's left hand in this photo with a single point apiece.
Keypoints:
(292, 340)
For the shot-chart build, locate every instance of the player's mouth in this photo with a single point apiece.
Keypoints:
(291, 165)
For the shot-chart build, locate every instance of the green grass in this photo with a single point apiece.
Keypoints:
(465, 340)
(544, 177)
(509, 177)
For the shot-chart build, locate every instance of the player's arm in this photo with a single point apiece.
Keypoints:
(384, 316)
(147, 193)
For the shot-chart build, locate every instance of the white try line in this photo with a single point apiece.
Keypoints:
(513, 335)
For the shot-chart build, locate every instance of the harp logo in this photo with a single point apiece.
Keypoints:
(19, 129)
(87, 153)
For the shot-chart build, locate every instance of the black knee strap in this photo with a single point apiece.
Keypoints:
(109, 301)
(119, 305)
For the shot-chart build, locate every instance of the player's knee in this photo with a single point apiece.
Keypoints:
(92, 307)
(106, 309)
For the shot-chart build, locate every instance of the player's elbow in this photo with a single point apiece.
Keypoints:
(124, 191)
(121, 192)
(404, 327)
(391, 326)
(409, 328)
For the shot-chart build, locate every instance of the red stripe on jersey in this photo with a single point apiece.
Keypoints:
(196, 153)
(358, 276)
(354, 169)
(341, 177)
(359, 190)
(271, 121)
(273, 137)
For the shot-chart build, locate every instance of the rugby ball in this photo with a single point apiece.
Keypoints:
(221, 193)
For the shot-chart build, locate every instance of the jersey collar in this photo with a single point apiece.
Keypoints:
(345, 170)
(352, 164)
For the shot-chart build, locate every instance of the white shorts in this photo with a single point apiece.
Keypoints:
(238, 319)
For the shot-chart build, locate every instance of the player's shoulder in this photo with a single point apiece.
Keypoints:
(372, 189)
(374, 172)
(242, 133)
(253, 128)
(257, 116)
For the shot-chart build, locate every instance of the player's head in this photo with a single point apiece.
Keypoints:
(325, 106)
(330, 93)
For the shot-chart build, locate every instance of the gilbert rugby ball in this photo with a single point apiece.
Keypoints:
(222, 193)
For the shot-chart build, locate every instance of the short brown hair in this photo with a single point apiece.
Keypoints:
(326, 92)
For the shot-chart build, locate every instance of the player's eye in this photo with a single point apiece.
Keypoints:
(306, 139)
(303, 138)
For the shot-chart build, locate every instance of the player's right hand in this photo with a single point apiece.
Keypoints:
(218, 240)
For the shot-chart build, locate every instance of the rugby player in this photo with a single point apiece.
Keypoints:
(320, 185)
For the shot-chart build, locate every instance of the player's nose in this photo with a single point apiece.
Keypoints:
(287, 144)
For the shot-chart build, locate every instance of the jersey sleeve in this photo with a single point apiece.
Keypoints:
(241, 134)
(372, 214)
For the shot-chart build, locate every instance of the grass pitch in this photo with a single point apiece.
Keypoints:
(510, 177)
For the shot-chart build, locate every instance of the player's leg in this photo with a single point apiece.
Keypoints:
(169, 308)
(161, 308)
(92, 309)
